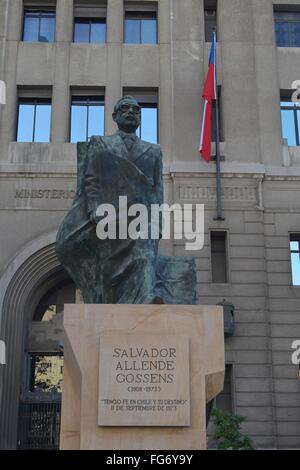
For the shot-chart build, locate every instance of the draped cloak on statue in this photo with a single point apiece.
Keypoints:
(120, 271)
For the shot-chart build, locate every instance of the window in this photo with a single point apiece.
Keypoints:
(92, 30)
(224, 401)
(147, 99)
(148, 128)
(87, 117)
(290, 117)
(210, 18)
(50, 312)
(140, 28)
(218, 244)
(34, 120)
(295, 258)
(287, 28)
(90, 22)
(39, 26)
(140, 25)
(46, 372)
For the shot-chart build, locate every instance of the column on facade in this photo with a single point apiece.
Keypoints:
(240, 111)
(113, 86)
(13, 9)
(267, 83)
(61, 93)
(188, 69)
(165, 95)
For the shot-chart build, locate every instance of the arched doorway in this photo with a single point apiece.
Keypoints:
(34, 273)
(40, 401)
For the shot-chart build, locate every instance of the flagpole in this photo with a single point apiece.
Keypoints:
(218, 156)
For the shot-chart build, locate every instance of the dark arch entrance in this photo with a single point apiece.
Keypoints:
(40, 401)
(37, 275)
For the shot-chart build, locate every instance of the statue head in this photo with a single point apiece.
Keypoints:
(127, 114)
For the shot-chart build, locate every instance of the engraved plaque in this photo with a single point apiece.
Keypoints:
(144, 380)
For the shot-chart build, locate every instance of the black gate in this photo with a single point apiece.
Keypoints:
(39, 424)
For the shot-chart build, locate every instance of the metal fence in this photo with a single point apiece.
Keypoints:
(39, 425)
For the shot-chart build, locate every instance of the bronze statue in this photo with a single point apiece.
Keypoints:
(121, 270)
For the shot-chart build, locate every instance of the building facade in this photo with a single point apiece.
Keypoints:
(65, 63)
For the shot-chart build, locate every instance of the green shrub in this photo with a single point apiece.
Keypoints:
(228, 434)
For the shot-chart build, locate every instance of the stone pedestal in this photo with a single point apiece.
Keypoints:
(139, 376)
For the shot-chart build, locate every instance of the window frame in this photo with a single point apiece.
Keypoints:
(81, 97)
(209, 7)
(291, 10)
(149, 106)
(90, 20)
(140, 15)
(34, 101)
(294, 236)
(227, 258)
(40, 11)
(295, 107)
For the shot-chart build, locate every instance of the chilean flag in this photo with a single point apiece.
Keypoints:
(209, 94)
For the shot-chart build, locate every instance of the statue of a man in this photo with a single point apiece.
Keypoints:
(121, 270)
